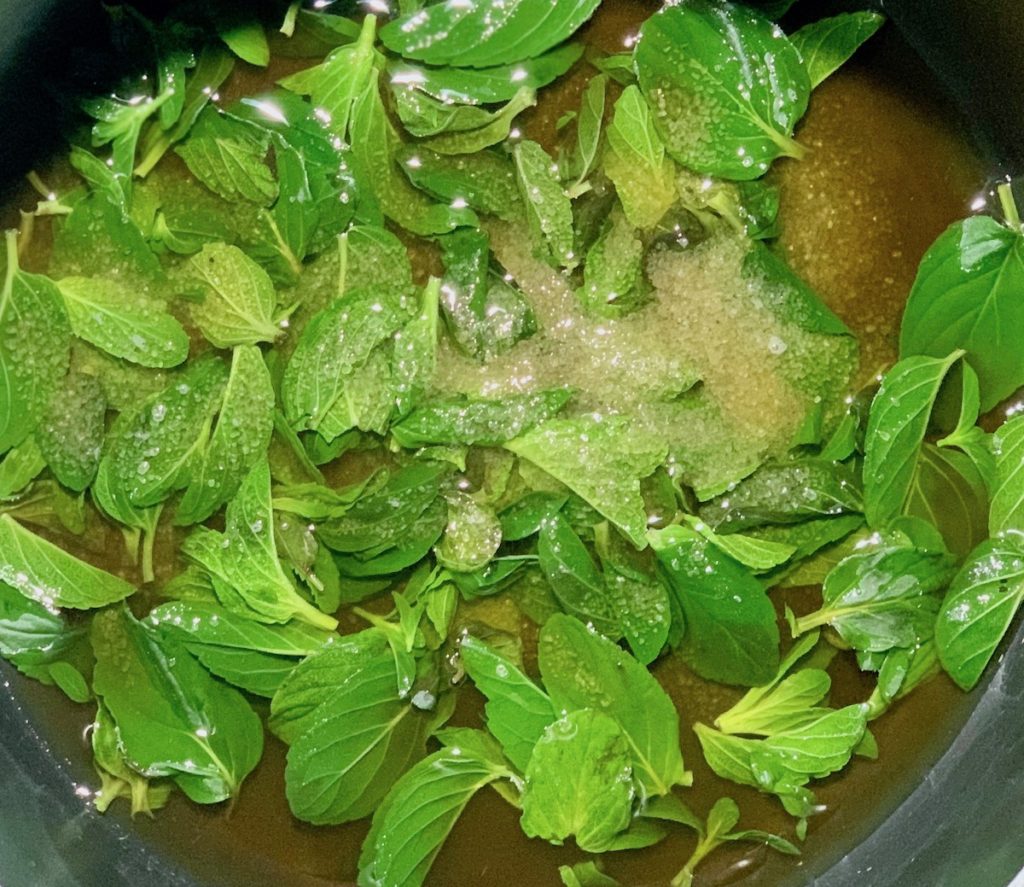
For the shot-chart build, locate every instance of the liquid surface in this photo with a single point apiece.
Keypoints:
(883, 178)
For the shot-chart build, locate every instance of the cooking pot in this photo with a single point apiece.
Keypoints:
(962, 825)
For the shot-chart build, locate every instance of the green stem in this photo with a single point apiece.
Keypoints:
(148, 540)
(703, 848)
(288, 25)
(11, 237)
(342, 262)
(1009, 206)
(308, 613)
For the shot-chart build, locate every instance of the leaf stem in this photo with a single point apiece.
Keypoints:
(148, 541)
(1009, 206)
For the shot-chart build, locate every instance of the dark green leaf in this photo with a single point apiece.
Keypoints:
(486, 181)
(600, 459)
(548, 209)
(412, 823)
(70, 434)
(785, 493)
(477, 421)
(240, 437)
(44, 573)
(1007, 509)
(485, 85)
(243, 561)
(883, 598)
(363, 737)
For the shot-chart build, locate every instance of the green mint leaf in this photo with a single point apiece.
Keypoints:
(240, 437)
(19, 468)
(247, 40)
(363, 738)
(334, 344)
(644, 178)
(45, 573)
(731, 633)
(485, 86)
(34, 339)
(486, 181)
(496, 129)
(826, 45)
(581, 670)
(574, 577)
(107, 314)
(243, 560)
(118, 780)
(1007, 509)
(376, 148)
(246, 653)
(471, 537)
(415, 354)
(517, 710)
(950, 493)
(601, 460)
(896, 427)
(172, 718)
(154, 451)
(238, 297)
(979, 607)
(310, 684)
(786, 493)
(485, 315)
(418, 813)
(585, 874)
(589, 124)
(548, 209)
(526, 516)
(227, 155)
(760, 555)
(478, 421)
(613, 274)
(726, 87)
(484, 34)
(963, 298)
(70, 434)
(578, 782)
(340, 79)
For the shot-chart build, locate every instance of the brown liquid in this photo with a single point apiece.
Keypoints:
(883, 178)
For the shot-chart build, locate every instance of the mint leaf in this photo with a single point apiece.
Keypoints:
(238, 302)
(635, 161)
(45, 573)
(601, 460)
(896, 428)
(243, 562)
(246, 653)
(548, 209)
(581, 670)
(578, 782)
(963, 298)
(479, 35)
(363, 738)
(517, 710)
(726, 86)
(418, 813)
(106, 314)
(172, 718)
(979, 607)
(731, 634)
(239, 438)
(486, 86)
(70, 434)
(34, 339)
(826, 45)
